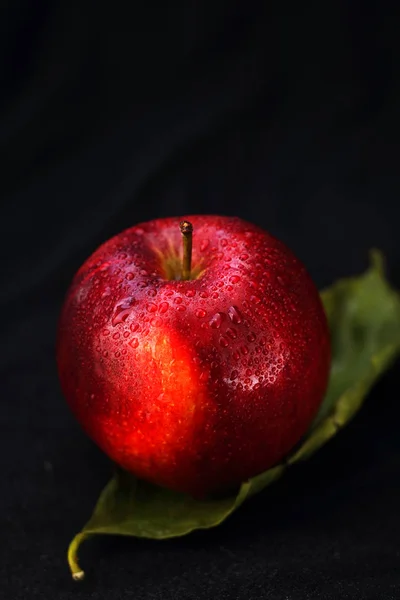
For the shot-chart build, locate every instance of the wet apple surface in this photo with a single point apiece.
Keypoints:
(194, 384)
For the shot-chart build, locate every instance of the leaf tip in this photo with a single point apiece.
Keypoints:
(377, 260)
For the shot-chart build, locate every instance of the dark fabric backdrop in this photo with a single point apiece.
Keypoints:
(113, 113)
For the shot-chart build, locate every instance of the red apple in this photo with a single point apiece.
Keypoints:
(194, 384)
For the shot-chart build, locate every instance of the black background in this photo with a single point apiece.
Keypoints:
(114, 113)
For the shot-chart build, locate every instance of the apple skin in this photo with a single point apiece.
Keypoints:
(194, 385)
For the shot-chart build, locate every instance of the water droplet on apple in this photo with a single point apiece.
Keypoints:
(105, 353)
(151, 307)
(129, 276)
(106, 332)
(122, 311)
(134, 343)
(231, 333)
(251, 337)
(214, 295)
(234, 315)
(163, 307)
(200, 313)
(117, 354)
(234, 279)
(255, 299)
(134, 327)
(204, 244)
(216, 320)
(181, 307)
(236, 355)
(155, 322)
(178, 300)
(244, 350)
(116, 336)
(244, 256)
(234, 375)
(203, 294)
(152, 292)
(126, 334)
(190, 293)
(257, 386)
(120, 316)
(223, 342)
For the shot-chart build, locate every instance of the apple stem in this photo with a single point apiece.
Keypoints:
(186, 231)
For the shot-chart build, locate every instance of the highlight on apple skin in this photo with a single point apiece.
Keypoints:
(194, 382)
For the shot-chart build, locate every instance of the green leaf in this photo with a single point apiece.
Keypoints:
(364, 318)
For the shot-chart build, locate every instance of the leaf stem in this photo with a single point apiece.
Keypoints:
(187, 233)
(76, 571)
